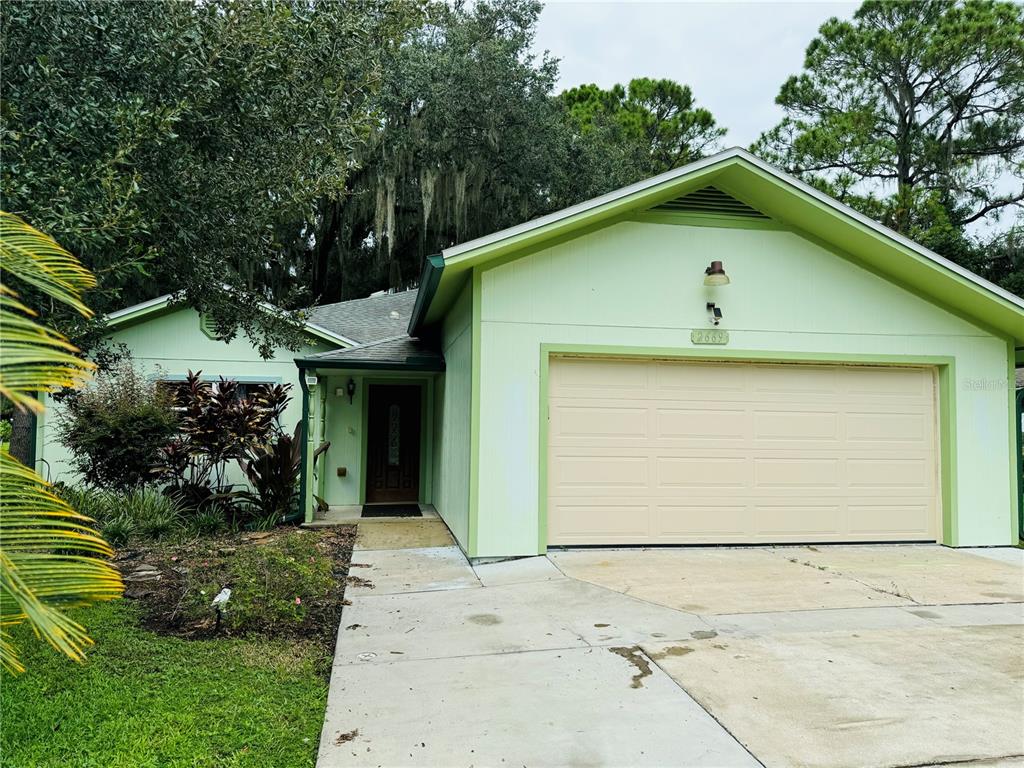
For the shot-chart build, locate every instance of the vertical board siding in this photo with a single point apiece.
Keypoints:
(452, 419)
(640, 285)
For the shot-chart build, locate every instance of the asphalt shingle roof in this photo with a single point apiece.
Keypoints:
(366, 320)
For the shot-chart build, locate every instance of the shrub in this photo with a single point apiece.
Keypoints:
(118, 531)
(144, 513)
(206, 522)
(272, 470)
(217, 427)
(152, 514)
(116, 428)
(271, 585)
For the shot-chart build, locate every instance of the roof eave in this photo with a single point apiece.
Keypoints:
(430, 278)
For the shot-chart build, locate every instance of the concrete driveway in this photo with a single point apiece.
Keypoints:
(787, 656)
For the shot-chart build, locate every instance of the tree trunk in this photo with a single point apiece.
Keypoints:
(23, 437)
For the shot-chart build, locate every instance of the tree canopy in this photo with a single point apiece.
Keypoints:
(311, 151)
(166, 143)
(914, 113)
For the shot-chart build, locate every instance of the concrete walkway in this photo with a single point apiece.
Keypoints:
(833, 656)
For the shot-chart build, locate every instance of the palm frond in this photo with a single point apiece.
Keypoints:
(37, 259)
(35, 358)
(50, 560)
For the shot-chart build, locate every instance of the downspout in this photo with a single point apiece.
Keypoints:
(304, 474)
(1019, 431)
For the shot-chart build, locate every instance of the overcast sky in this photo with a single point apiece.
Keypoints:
(734, 55)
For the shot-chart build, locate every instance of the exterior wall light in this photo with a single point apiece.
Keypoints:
(350, 389)
(715, 274)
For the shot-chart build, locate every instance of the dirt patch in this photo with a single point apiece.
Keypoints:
(703, 634)
(636, 657)
(344, 738)
(174, 584)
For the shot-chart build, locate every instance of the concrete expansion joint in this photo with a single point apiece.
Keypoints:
(980, 761)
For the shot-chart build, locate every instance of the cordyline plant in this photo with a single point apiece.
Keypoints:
(217, 426)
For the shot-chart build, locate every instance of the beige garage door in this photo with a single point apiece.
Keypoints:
(666, 452)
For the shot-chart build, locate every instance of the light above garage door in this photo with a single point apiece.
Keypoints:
(665, 452)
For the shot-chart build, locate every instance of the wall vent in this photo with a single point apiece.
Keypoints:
(208, 327)
(711, 201)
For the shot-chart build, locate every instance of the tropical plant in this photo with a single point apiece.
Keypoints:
(218, 426)
(116, 427)
(272, 470)
(50, 558)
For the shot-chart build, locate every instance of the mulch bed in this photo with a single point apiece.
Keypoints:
(156, 577)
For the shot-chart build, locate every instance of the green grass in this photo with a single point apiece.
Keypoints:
(145, 700)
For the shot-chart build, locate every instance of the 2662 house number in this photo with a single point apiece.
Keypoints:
(709, 336)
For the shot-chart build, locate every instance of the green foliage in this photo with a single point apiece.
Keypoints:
(273, 585)
(468, 141)
(206, 522)
(625, 134)
(273, 470)
(912, 112)
(217, 426)
(168, 143)
(144, 699)
(116, 427)
(139, 514)
(5, 431)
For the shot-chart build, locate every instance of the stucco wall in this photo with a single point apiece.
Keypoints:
(452, 419)
(169, 346)
(641, 285)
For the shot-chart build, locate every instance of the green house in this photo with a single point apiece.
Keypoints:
(717, 355)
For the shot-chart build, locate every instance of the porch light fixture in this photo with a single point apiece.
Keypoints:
(350, 389)
(715, 275)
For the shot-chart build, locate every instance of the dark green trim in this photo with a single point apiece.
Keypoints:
(430, 278)
(416, 364)
(304, 471)
(1018, 430)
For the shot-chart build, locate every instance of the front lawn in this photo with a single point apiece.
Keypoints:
(251, 692)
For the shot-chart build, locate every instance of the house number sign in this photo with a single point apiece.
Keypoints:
(709, 336)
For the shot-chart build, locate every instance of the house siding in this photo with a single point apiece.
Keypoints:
(452, 419)
(169, 346)
(639, 285)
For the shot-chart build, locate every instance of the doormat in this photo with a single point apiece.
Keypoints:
(391, 510)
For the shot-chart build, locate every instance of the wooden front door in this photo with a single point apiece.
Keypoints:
(393, 443)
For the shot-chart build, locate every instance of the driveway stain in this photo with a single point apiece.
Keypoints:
(703, 634)
(926, 614)
(672, 650)
(485, 619)
(636, 657)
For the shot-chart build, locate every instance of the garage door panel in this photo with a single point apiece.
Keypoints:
(593, 521)
(888, 427)
(683, 452)
(601, 472)
(886, 517)
(699, 424)
(596, 420)
(796, 425)
(889, 473)
(701, 519)
(686, 472)
(807, 521)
